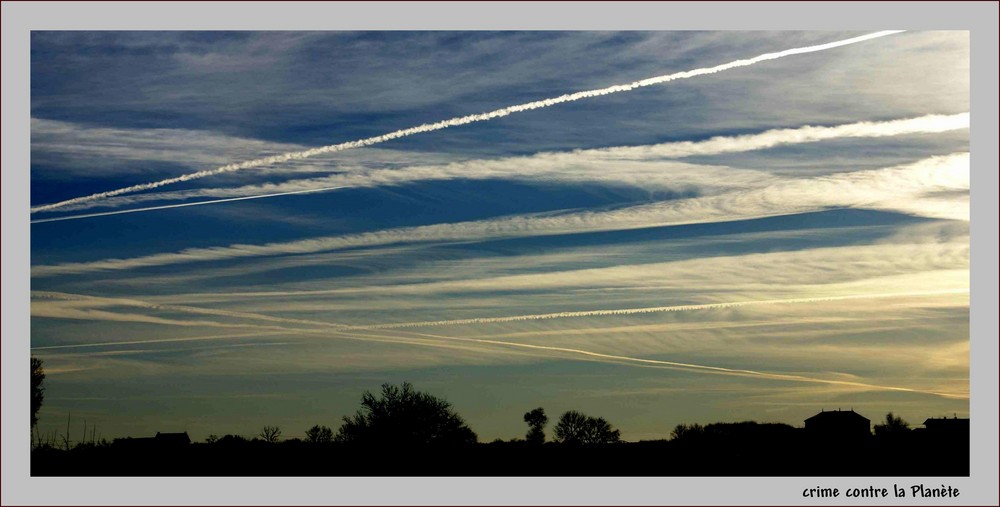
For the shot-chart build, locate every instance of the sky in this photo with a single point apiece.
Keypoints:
(758, 243)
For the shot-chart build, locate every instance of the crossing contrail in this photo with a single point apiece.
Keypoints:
(343, 332)
(463, 120)
(654, 309)
(168, 206)
(441, 341)
(155, 341)
(108, 301)
(576, 165)
(700, 368)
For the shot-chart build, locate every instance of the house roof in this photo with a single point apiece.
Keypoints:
(173, 437)
(946, 421)
(838, 415)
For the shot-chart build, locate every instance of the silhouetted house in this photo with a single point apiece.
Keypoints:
(839, 425)
(160, 441)
(172, 439)
(952, 430)
(953, 426)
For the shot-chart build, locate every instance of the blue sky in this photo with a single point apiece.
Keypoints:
(808, 215)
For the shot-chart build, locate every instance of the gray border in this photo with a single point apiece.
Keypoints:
(19, 18)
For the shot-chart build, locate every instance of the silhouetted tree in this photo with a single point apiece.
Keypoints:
(893, 425)
(536, 420)
(687, 431)
(319, 435)
(577, 428)
(403, 416)
(37, 389)
(270, 434)
(231, 440)
(211, 439)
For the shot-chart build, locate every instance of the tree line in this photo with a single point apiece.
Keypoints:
(402, 416)
(395, 427)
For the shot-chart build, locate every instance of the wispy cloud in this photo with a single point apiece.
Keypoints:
(429, 127)
(704, 368)
(449, 342)
(642, 166)
(654, 309)
(876, 189)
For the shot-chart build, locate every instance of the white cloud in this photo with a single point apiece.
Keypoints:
(639, 166)
(875, 189)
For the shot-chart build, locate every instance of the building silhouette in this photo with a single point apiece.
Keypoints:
(838, 425)
(172, 438)
(946, 426)
(160, 441)
(945, 431)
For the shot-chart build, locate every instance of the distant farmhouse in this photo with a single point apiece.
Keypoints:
(839, 425)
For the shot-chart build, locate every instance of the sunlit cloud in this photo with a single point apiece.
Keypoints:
(629, 165)
(876, 189)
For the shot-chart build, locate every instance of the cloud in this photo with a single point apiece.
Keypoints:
(874, 189)
(472, 344)
(85, 301)
(69, 150)
(699, 368)
(653, 309)
(640, 166)
(153, 341)
(463, 120)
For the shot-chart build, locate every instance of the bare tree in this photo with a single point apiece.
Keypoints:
(319, 435)
(270, 434)
(577, 428)
(37, 389)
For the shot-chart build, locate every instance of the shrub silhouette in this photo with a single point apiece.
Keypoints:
(405, 417)
(231, 441)
(37, 390)
(319, 435)
(536, 420)
(577, 428)
(687, 432)
(893, 426)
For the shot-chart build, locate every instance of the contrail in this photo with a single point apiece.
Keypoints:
(895, 188)
(164, 340)
(463, 120)
(576, 165)
(655, 309)
(340, 331)
(168, 206)
(693, 367)
(177, 308)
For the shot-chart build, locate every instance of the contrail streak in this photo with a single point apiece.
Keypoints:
(694, 367)
(176, 308)
(463, 120)
(893, 188)
(576, 165)
(145, 342)
(340, 332)
(655, 309)
(168, 206)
